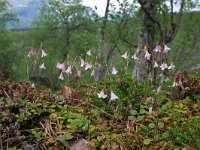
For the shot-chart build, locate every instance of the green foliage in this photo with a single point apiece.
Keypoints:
(187, 133)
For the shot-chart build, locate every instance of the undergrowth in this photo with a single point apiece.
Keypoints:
(144, 116)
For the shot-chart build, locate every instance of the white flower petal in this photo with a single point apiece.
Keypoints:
(113, 96)
(43, 53)
(102, 94)
(114, 71)
(125, 55)
(61, 76)
(42, 66)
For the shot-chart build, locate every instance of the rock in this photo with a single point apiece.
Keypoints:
(81, 144)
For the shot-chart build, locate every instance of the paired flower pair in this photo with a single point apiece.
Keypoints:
(33, 53)
(113, 96)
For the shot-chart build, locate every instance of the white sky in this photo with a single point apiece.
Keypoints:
(101, 5)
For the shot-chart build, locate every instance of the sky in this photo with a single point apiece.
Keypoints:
(101, 4)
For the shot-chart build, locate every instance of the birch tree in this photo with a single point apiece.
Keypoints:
(153, 28)
(108, 43)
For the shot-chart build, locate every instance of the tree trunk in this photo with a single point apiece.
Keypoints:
(145, 37)
(100, 68)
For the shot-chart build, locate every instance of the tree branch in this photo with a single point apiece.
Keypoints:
(152, 18)
(175, 27)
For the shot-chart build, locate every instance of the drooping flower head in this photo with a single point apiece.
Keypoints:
(114, 71)
(125, 55)
(155, 64)
(33, 85)
(158, 48)
(175, 84)
(166, 49)
(113, 96)
(93, 73)
(89, 52)
(163, 66)
(79, 73)
(42, 66)
(61, 66)
(102, 94)
(134, 57)
(88, 65)
(159, 89)
(82, 63)
(31, 53)
(69, 70)
(61, 76)
(44, 54)
(147, 55)
(172, 66)
(151, 110)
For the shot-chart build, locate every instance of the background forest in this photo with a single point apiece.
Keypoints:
(125, 79)
(67, 32)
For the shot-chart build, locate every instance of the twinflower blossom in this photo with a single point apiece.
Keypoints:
(125, 55)
(101, 94)
(159, 89)
(151, 110)
(42, 66)
(69, 70)
(155, 64)
(33, 85)
(163, 66)
(158, 48)
(134, 57)
(88, 65)
(166, 48)
(147, 55)
(79, 73)
(175, 84)
(114, 71)
(31, 53)
(89, 52)
(61, 76)
(92, 73)
(61, 66)
(172, 66)
(113, 96)
(82, 63)
(44, 54)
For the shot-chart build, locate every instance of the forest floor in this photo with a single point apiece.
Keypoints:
(141, 118)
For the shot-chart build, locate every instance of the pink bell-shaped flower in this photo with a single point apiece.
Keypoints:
(125, 55)
(159, 89)
(101, 94)
(44, 54)
(114, 71)
(69, 70)
(42, 66)
(61, 76)
(113, 96)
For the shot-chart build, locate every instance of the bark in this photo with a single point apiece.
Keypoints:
(145, 37)
(147, 31)
(103, 59)
(100, 56)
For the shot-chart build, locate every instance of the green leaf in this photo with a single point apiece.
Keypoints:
(161, 125)
(142, 111)
(64, 137)
(133, 112)
(147, 141)
(131, 118)
(165, 135)
(151, 125)
(140, 118)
